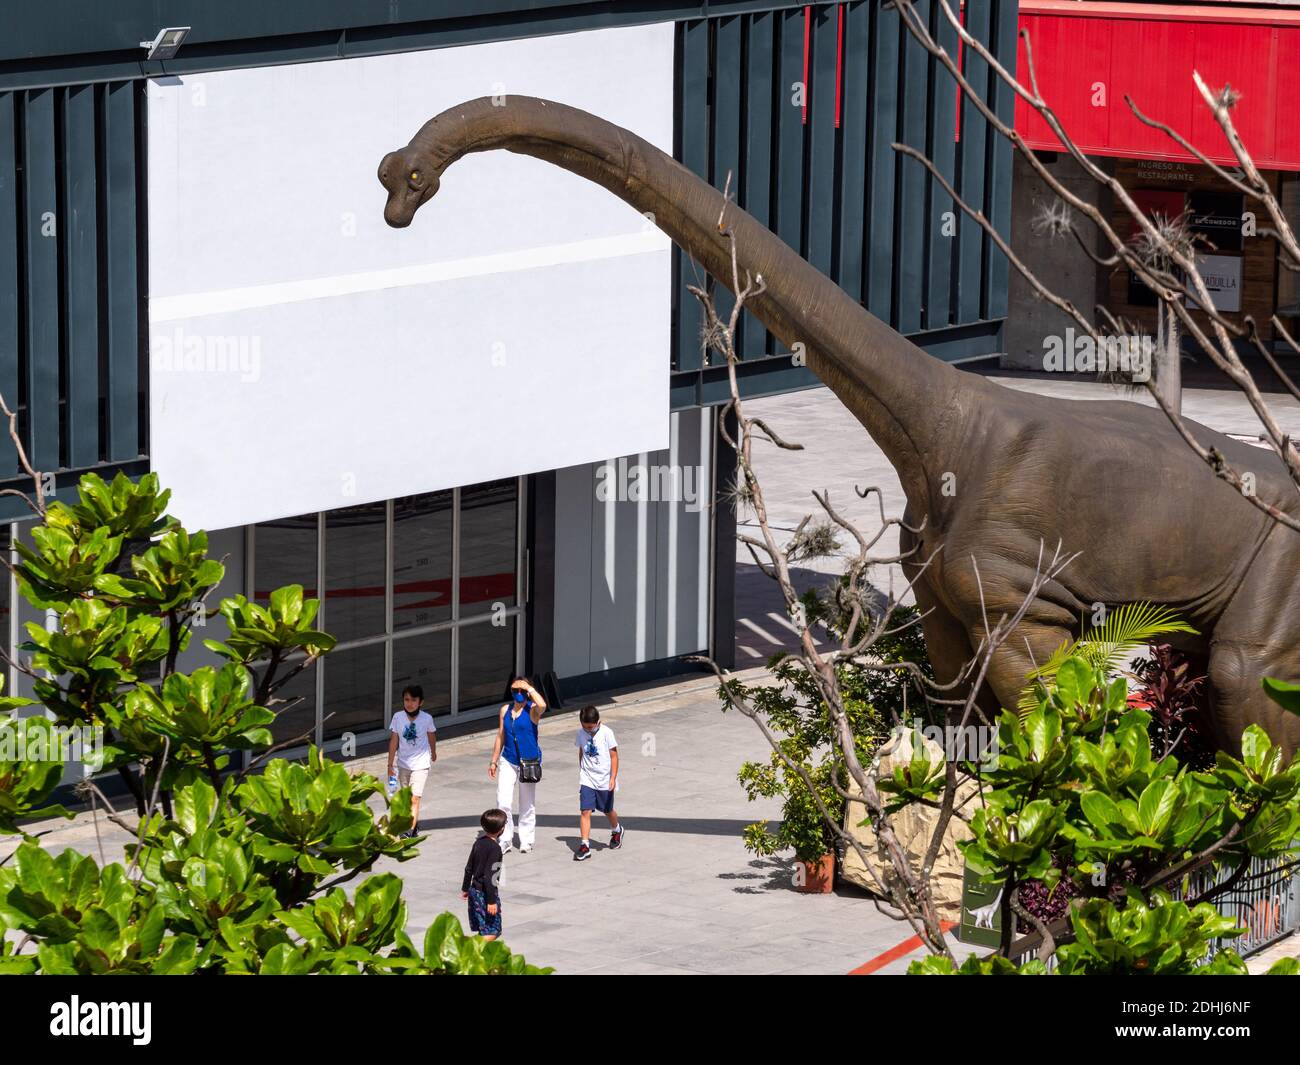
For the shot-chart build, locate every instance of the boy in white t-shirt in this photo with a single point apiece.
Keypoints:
(597, 778)
(415, 747)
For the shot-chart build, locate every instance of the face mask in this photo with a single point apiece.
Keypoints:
(519, 696)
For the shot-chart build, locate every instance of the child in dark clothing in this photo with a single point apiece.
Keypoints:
(481, 873)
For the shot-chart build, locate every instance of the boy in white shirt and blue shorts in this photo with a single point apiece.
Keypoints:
(597, 779)
(413, 745)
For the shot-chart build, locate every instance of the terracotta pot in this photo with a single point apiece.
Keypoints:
(818, 876)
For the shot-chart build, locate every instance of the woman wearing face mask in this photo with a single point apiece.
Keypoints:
(517, 759)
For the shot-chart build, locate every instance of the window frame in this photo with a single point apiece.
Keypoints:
(455, 623)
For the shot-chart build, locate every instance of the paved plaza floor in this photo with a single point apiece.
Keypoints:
(682, 895)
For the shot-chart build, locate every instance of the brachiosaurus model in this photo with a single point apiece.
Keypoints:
(994, 473)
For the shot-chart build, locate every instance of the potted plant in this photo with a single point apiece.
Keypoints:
(793, 710)
(802, 827)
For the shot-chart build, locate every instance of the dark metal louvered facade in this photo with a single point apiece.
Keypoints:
(71, 307)
(801, 107)
(822, 174)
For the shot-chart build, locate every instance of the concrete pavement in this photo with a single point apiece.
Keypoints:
(682, 895)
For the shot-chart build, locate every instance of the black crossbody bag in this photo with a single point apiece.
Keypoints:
(530, 769)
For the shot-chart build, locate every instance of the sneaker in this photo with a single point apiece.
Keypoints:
(582, 854)
(524, 848)
(616, 838)
(506, 848)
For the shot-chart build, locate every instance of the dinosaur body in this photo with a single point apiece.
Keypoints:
(991, 475)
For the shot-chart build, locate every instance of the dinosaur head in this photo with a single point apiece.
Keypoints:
(409, 183)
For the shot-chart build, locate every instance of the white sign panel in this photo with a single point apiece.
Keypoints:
(1222, 277)
(304, 356)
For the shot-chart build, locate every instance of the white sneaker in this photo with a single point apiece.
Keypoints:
(524, 848)
(506, 848)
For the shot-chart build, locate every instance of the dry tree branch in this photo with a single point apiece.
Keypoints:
(1221, 350)
(37, 505)
(1220, 107)
(1287, 382)
(293, 741)
(1179, 296)
(908, 887)
(150, 808)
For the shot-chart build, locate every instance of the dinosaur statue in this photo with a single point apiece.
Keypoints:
(990, 473)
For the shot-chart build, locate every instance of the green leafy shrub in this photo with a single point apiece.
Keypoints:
(793, 710)
(1078, 794)
(231, 871)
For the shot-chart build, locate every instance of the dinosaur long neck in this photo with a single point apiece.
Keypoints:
(901, 395)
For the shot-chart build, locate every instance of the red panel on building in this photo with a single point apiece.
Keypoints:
(1089, 56)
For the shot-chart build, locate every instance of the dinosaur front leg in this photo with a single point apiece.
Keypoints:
(953, 646)
(1236, 671)
(946, 641)
(981, 595)
(945, 635)
(1257, 636)
(1029, 646)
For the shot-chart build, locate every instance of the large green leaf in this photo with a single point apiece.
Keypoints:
(1284, 693)
(1124, 630)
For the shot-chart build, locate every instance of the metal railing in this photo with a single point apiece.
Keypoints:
(1265, 901)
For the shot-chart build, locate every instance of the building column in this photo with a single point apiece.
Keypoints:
(722, 630)
(539, 650)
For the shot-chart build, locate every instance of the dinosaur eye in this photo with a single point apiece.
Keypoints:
(415, 175)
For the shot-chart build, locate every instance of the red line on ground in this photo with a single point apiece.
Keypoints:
(894, 953)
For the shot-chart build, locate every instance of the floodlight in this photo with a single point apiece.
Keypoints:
(167, 43)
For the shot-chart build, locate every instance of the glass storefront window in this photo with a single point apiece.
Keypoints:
(355, 570)
(354, 690)
(487, 662)
(300, 717)
(424, 659)
(440, 545)
(285, 553)
(488, 546)
(422, 542)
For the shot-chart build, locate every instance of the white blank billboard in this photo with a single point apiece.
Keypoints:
(304, 356)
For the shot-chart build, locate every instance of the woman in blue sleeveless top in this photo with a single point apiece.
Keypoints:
(516, 740)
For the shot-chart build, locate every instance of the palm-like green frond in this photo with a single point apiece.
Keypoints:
(1124, 630)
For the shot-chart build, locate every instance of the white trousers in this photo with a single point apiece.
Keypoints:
(507, 777)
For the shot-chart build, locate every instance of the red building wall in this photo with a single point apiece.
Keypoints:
(1088, 56)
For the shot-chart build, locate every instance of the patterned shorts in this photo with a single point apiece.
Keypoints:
(480, 921)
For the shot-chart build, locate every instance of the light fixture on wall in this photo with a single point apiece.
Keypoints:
(167, 43)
